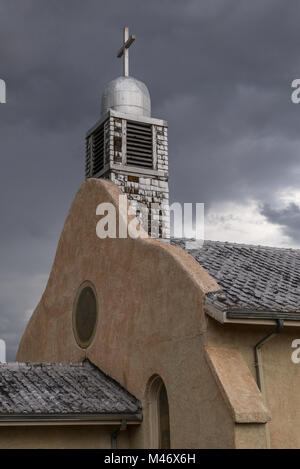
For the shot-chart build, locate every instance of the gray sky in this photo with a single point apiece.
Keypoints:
(219, 71)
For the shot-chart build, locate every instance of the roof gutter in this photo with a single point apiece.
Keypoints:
(70, 419)
(223, 315)
(250, 314)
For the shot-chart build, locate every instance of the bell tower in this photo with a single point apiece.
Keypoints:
(130, 147)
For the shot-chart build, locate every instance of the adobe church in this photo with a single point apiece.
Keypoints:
(145, 343)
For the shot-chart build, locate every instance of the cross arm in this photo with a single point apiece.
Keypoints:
(126, 45)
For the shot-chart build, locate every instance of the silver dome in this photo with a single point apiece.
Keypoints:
(127, 95)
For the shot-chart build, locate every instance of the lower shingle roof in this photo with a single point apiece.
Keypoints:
(32, 389)
(256, 278)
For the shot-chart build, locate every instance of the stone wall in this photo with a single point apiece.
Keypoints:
(140, 187)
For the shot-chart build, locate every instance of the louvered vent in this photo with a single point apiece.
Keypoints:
(139, 144)
(95, 152)
(88, 158)
(98, 149)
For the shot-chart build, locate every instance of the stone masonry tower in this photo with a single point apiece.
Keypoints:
(130, 148)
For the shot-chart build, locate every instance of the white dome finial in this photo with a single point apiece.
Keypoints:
(127, 94)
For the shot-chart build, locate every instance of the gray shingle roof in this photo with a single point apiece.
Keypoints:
(252, 277)
(61, 389)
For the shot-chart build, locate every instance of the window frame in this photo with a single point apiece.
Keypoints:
(80, 343)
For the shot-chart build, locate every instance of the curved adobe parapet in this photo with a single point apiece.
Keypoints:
(149, 297)
(135, 279)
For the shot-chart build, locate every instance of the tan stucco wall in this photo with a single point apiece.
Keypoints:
(61, 437)
(237, 385)
(281, 377)
(151, 321)
(250, 436)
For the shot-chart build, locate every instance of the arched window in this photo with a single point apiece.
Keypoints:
(159, 414)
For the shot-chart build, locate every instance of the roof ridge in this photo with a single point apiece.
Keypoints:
(88, 362)
(233, 243)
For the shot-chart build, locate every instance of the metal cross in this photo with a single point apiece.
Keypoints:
(124, 50)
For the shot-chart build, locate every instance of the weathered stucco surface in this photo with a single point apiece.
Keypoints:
(237, 385)
(61, 437)
(281, 377)
(151, 321)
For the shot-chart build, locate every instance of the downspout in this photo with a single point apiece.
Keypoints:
(259, 344)
(114, 436)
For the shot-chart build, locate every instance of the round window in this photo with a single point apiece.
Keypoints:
(85, 316)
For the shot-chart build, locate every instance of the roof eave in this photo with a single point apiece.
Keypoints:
(247, 316)
(70, 419)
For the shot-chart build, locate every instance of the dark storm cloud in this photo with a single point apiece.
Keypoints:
(288, 218)
(218, 71)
